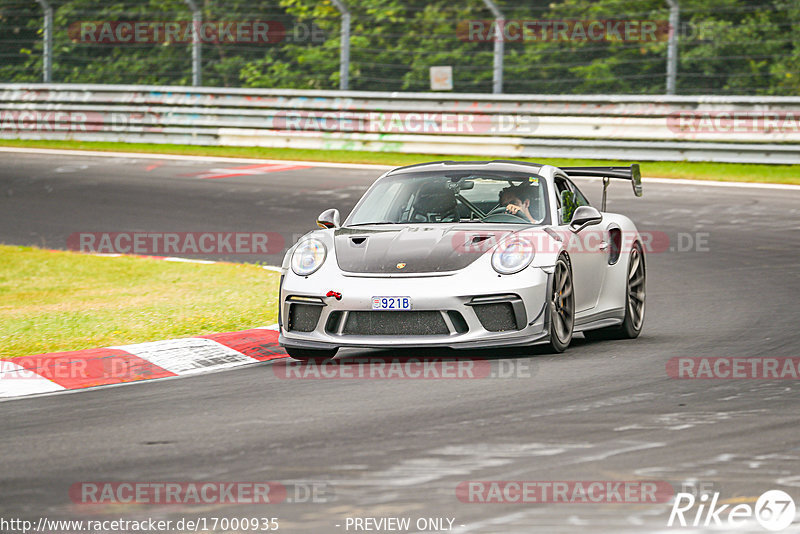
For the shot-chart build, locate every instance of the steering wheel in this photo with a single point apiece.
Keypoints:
(499, 214)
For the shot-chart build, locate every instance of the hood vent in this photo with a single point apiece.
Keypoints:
(480, 238)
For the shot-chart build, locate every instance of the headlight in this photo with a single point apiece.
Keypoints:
(308, 257)
(512, 255)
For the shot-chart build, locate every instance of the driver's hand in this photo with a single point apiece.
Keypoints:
(513, 209)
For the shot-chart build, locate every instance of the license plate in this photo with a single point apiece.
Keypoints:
(391, 303)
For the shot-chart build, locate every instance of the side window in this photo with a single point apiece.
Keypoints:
(566, 199)
(561, 186)
(569, 198)
(579, 197)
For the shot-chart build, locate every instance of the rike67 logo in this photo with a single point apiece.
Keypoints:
(774, 510)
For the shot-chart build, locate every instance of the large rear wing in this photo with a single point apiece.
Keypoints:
(631, 173)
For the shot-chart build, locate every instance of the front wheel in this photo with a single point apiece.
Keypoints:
(311, 355)
(561, 306)
(631, 326)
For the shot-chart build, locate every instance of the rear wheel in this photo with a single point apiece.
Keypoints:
(561, 306)
(311, 355)
(634, 302)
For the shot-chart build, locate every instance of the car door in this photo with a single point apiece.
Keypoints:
(588, 249)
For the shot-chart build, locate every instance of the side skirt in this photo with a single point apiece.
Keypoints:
(601, 319)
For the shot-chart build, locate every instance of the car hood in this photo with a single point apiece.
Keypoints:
(413, 248)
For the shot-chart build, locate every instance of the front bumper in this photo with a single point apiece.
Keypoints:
(457, 297)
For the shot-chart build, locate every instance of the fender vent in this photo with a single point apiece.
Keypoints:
(614, 245)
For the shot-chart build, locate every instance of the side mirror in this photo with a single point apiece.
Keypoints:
(329, 219)
(585, 216)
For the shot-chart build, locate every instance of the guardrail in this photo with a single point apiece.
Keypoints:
(723, 129)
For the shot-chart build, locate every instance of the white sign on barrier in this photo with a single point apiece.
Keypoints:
(442, 78)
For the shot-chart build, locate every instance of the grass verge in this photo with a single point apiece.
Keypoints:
(729, 172)
(53, 301)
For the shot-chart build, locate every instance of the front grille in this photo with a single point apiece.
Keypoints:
(496, 317)
(395, 323)
(303, 317)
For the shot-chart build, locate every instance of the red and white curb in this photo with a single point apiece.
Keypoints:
(63, 371)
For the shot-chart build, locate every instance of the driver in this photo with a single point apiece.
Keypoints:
(511, 197)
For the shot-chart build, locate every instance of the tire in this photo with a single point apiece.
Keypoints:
(311, 355)
(561, 306)
(635, 299)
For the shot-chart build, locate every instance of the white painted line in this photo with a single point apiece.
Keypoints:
(700, 183)
(175, 259)
(210, 159)
(323, 164)
(16, 381)
(714, 183)
(188, 356)
(187, 260)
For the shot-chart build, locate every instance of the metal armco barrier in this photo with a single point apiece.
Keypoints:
(723, 129)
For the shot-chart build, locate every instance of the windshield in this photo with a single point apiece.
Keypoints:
(454, 197)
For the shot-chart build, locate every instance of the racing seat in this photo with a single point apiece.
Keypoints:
(435, 203)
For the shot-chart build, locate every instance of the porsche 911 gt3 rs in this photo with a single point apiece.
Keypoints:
(466, 255)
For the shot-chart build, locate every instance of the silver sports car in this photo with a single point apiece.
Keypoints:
(466, 255)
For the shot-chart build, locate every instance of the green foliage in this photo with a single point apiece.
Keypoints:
(726, 46)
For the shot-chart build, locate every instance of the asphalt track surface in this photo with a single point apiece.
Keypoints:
(601, 411)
